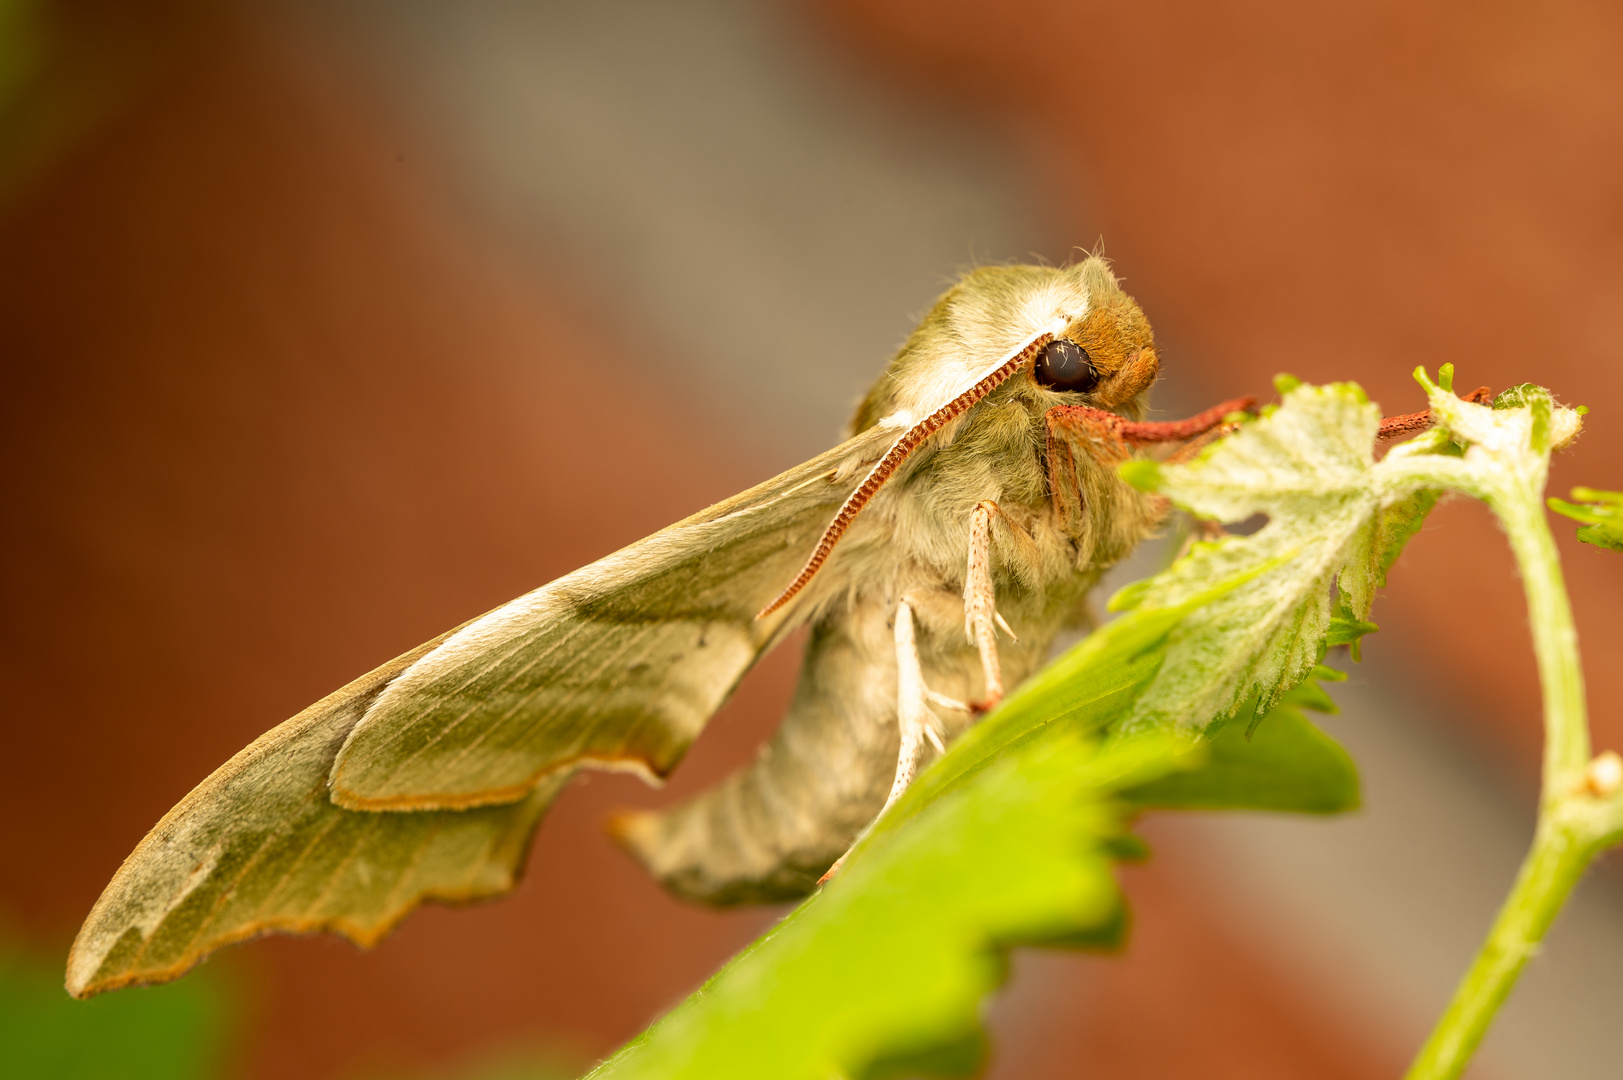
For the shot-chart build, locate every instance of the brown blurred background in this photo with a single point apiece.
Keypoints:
(327, 326)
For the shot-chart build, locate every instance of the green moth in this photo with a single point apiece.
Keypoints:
(976, 496)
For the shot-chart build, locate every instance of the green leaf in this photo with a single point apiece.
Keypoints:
(1346, 629)
(1602, 536)
(1520, 396)
(883, 971)
(1602, 514)
(1310, 695)
(1283, 762)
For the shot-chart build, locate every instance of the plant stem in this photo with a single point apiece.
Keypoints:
(1553, 866)
(1573, 823)
(1555, 640)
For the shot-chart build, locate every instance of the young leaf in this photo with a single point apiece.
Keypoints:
(1394, 526)
(1602, 515)
(1507, 446)
(1332, 518)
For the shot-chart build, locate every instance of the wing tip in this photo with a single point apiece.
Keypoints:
(83, 984)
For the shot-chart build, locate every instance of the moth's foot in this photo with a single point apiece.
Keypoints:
(828, 875)
(917, 724)
(976, 709)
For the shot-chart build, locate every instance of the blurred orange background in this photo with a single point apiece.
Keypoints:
(285, 395)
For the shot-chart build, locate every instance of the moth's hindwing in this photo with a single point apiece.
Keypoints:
(619, 664)
(259, 846)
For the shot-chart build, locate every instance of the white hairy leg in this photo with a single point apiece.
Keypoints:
(916, 722)
(913, 715)
(981, 620)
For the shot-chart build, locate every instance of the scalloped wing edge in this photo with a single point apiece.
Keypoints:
(174, 864)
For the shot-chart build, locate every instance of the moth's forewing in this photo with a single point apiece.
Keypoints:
(622, 661)
(619, 664)
(259, 847)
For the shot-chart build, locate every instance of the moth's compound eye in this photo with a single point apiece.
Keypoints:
(1064, 365)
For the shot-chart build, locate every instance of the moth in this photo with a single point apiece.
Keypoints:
(934, 556)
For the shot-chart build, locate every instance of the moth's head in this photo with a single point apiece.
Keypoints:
(1107, 354)
(1102, 354)
(1002, 348)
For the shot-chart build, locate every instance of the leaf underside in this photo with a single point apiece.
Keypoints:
(1309, 467)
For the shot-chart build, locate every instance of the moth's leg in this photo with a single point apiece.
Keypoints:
(1061, 467)
(913, 716)
(981, 618)
(1079, 431)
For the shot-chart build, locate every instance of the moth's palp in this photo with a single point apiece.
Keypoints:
(1152, 431)
(911, 439)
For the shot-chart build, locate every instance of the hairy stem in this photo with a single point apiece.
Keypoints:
(1555, 642)
(1574, 824)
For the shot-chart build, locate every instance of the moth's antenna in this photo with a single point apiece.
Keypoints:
(910, 441)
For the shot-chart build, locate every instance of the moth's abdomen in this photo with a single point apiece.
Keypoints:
(770, 831)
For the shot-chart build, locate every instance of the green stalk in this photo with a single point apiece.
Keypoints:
(1555, 642)
(1553, 866)
(1574, 824)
